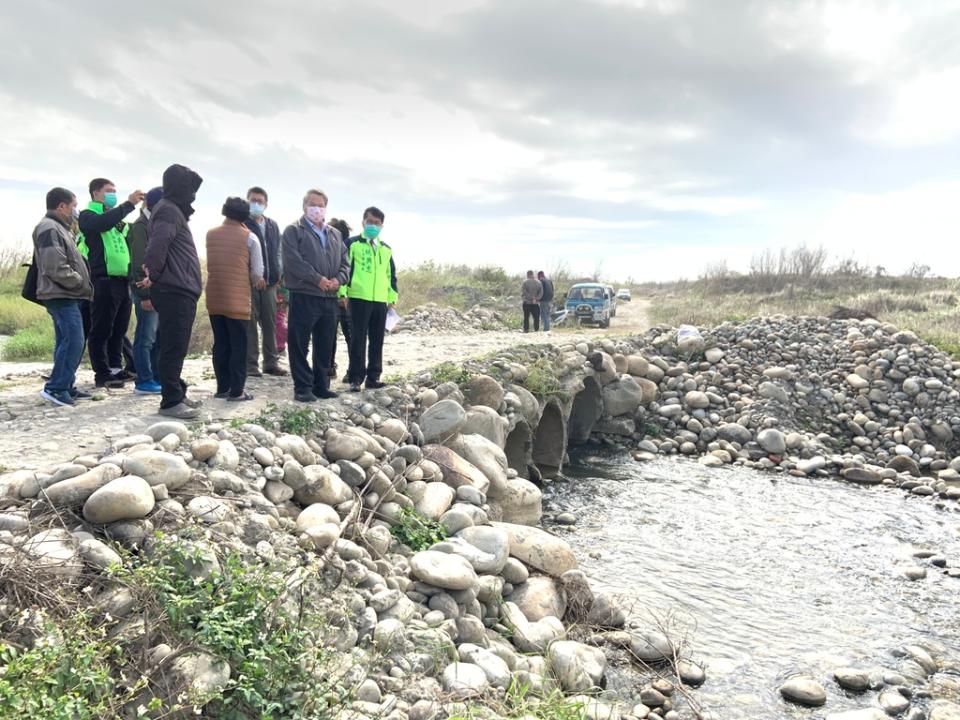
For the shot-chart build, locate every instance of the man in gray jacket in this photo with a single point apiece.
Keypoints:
(532, 291)
(63, 281)
(263, 294)
(315, 264)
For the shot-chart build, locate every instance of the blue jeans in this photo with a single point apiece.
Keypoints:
(67, 347)
(145, 348)
(545, 314)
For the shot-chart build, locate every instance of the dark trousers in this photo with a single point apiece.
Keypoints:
(311, 318)
(263, 315)
(109, 320)
(368, 321)
(343, 317)
(176, 312)
(531, 310)
(229, 354)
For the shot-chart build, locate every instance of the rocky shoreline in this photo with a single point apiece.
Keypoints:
(494, 602)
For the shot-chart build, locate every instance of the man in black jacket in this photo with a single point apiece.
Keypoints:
(263, 295)
(172, 272)
(104, 245)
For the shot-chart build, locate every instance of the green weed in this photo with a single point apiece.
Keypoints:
(449, 372)
(34, 342)
(416, 531)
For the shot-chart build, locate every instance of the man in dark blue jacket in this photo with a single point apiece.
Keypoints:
(263, 296)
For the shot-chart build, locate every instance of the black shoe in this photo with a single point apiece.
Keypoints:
(79, 394)
(112, 383)
(222, 395)
(277, 371)
(305, 397)
(125, 375)
(254, 373)
(332, 372)
(375, 384)
(345, 378)
(354, 387)
(326, 394)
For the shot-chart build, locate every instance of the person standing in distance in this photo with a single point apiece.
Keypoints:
(105, 242)
(315, 266)
(532, 291)
(145, 336)
(171, 270)
(263, 307)
(63, 281)
(371, 289)
(546, 299)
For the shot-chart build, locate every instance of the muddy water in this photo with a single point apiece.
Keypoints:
(770, 575)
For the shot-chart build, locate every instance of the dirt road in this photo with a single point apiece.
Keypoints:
(40, 434)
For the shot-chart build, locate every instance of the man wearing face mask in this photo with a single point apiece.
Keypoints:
(172, 273)
(371, 289)
(63, 282)
(315, 266)
(263, 306)
(104, 244)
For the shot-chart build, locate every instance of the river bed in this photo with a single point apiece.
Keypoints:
(772, 575)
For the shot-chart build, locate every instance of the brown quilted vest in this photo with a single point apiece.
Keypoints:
(228, 271)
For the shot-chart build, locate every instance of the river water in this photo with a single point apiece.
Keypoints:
(771, 575)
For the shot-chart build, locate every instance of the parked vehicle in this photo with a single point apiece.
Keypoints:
(623, 294)
(590, 303)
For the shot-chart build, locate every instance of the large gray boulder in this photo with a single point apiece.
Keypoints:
(158, 468)
(126, 498)
(322, 486)
(484, 390)
(74, 491)
(622, 397)
(485, 421)
(735, 433)
(442, 421)
(576, 666)
(456, 470)
(539, 597)
(442, 570)
(538, 549)
(486, 456)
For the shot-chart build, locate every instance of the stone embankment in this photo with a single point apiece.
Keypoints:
(432, 319)
(498, 602)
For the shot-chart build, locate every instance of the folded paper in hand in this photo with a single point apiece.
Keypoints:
(392, 319)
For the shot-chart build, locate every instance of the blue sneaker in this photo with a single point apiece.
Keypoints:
(147, 388)
(58, 397)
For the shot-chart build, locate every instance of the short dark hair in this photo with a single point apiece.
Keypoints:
(57, 196)
(260, 191)
(375, 212)
(342, 227)
(98, 183)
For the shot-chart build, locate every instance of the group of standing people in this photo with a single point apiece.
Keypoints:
(92, 269)
(537, 296)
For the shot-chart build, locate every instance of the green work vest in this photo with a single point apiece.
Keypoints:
(370, 276)
(116, 253)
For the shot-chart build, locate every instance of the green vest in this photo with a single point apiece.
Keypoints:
(116, 253)
(370, 276)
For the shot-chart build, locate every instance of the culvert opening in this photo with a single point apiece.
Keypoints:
(587, 409)
(550, 440)
(519, 449)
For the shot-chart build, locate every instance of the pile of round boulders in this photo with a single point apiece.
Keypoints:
(855, 399)
(498, 602)
(432, 319)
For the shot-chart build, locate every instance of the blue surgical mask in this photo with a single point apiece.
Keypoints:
(371, 231)
(110, 200)
(257, 209)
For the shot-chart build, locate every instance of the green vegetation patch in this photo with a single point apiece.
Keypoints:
(416, 531)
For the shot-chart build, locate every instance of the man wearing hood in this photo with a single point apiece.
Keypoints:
(172, 273)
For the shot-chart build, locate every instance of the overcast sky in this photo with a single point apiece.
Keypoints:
(655, 136)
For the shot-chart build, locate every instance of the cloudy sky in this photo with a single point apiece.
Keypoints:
(654, 136)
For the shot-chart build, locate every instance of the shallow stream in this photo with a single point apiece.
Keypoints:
(772, 575)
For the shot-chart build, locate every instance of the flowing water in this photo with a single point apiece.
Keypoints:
(775, 575)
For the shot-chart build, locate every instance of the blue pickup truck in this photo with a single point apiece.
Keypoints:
(590, 303)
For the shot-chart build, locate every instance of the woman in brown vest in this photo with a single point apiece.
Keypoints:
(234, 264)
